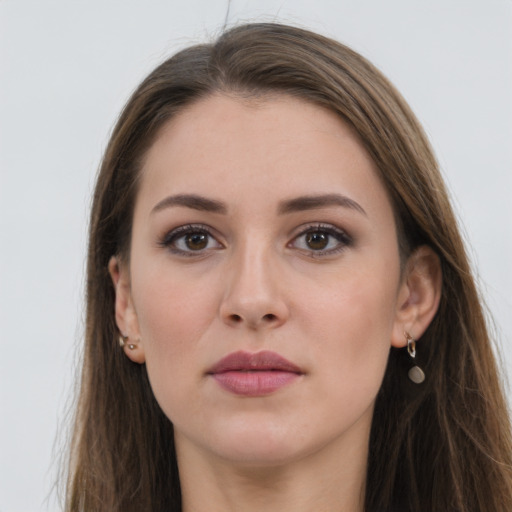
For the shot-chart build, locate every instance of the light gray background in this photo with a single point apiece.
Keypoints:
(66, 69)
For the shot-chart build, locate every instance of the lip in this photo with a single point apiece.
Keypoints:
(254, 374)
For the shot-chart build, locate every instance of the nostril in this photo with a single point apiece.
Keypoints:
(268, 319)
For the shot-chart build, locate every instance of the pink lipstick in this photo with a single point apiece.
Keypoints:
(254, 374)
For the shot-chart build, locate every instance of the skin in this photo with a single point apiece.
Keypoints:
(258, 284)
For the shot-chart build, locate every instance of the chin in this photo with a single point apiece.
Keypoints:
(259, 451)
(251, 443)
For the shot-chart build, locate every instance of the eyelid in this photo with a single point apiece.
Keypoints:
(170, 236)
(344, 239)
(167, 241)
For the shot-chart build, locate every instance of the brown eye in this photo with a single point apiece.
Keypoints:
(317, 240)
(322, 240)
(190, 240)
(196, 241)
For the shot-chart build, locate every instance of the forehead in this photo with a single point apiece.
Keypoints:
(231, 148)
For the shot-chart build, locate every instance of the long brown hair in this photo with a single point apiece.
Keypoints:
(442, 446)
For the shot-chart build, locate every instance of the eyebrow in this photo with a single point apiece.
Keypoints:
(320, 201)
(297, 204)
(191, 201)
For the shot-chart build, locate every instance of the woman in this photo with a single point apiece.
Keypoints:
(270, 236)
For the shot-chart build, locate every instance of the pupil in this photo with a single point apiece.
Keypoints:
(317, 240)
(197, 241)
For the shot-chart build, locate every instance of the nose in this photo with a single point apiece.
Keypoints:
(253, 292)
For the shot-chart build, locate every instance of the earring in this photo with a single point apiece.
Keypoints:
(416, 374)
(122, 342)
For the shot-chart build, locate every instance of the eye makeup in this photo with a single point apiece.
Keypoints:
(320, 239)
(315, 240)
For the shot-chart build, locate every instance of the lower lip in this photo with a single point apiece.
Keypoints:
(254, 383)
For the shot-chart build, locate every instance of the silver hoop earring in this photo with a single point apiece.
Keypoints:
(416, 374)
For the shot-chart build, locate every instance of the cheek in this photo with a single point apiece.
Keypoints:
(355, 322)
(173, 317)
(361, 297)
(171, 307)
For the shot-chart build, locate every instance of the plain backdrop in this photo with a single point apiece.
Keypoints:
(66, 69)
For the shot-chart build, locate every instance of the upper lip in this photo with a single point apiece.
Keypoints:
(257, 361)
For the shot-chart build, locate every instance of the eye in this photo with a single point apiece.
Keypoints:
(190, 240)
(320, 240)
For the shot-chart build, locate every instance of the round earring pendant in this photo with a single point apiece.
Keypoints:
(416, 374)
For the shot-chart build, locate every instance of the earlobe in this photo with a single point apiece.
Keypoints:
(125, 314)
(419, 295)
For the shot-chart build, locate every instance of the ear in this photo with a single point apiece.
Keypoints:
(126, 316)
(418, 296)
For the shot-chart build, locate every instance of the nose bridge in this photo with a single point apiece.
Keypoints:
(252, 295)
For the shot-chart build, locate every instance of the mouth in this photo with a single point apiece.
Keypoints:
(254, 374)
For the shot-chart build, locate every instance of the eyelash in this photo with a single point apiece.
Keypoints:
(343, 239)
(171, 238)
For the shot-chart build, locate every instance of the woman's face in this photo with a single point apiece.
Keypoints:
(264, 280)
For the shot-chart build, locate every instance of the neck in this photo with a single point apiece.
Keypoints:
(332, 480)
